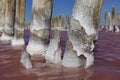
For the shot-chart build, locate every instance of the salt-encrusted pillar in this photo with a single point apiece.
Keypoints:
(20, 10)
(109, 21)
(113, 15)
(82, 34)
(118, 17)
(52, 23)
(105, 19)
(112, 19)
(19, 23)
(2, 15)
(61, 22)
(58, 23)
(67, 22)
(55, 23)
(40, 26)
(9, 20)
(117, 22)
(53, 54)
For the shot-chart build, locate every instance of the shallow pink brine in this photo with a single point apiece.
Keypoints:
(106, 67)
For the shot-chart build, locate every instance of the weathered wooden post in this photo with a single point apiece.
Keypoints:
(67, 22)
(54, 51)
(2, 15)
(82, 34)
(109, 21)
(18, 39)
(53, 54)
(105, 19)
(113, 15)
(8, 20)
(117, 23)
(40, 27)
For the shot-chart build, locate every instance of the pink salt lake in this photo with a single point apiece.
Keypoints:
(106, 67)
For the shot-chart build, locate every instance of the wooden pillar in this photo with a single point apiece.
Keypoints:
(82, 34)
(19, 25)
(40, 26)
(9, 20)
(2, 16)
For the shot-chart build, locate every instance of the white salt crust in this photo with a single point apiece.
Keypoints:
(53, 53)
(117, 29)
(17, 42)
(109, 21)
(82, 14)
(5, 37)
(36, 47)
(83, 11)
(25, 60)
(71, 59)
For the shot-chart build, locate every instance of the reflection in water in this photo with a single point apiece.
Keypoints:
(107, 63)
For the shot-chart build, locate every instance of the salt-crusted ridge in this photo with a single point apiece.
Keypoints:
(82, 34)
(53, 54)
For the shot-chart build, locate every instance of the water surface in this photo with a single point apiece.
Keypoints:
(106, 67)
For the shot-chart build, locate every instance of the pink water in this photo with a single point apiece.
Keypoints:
(106, 67)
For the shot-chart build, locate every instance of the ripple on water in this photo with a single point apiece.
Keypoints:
(107, 63)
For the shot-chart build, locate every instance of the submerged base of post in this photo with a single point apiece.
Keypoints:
(25, 60)
(18, 39)
(38, 42)
(54, 51)
(79, 48)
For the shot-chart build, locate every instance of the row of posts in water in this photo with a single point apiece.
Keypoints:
(111, 20)
(57, 23)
